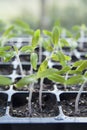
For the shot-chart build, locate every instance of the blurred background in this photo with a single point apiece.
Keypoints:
(44, 13)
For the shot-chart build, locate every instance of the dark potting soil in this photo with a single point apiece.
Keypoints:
(2, 107)
(36, 88)
(25, 58)
(6, 69)
(71, 88)
(68, 106)
(49, 108)
(26, 69)
(82, 50)
(3, 88)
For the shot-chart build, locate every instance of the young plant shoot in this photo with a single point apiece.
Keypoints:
(78, 78)
(33, 60)
(54, 45)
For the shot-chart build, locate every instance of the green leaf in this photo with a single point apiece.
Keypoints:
(55, 57)
(69, 34)
(64, 70)
(46, 73)
(8, 31)
(27, 49)
(47, 45)
(16, 49)
(74, 72)
(5, 48)
(35, 38)
(43, 66)
(48, 33)
(77, 63)
(77, 36)
(8, 56)
(5, 81)
(75, 80)
(22, 24)
(62, 58)
(59, 56)
(34, 60)
(56, 78)
(67, 58)
(29, 31)
(82, 66)
(26, 80)
(2, 53)
(64, 42)
(85, 75)
(76, 28)
(55, 35)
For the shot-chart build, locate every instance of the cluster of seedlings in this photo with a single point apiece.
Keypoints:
(46, 63)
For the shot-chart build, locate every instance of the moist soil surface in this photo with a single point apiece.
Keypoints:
(5, 70)
(3, 88)
(68, 106)
(36, 88)
(49, 108)
(2, 107)
(71, 88)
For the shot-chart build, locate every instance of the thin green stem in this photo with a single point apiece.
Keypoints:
(40, 93)
(66, 77)
(31, 86)
(30, 98)
(20, 65)
(78, 97)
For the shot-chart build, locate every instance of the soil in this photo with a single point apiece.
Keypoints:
(68, 106)
(3, 88)
(71, 88)
(82, 50)
(25, 58)
(74, 58)
(2, 107)
(26, 69)
(36, 88)
(6, 69)
(49, 108)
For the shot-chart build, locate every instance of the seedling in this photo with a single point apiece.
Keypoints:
(77, 74)
(78, 78)
(54, 45)
(80, 30)
(43, 70)
(33, 60)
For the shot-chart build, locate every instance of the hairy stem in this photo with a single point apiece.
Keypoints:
(31, 86)
(20, 65)
(30, 98)
(78, 97)
(40, 93)
(66, 77)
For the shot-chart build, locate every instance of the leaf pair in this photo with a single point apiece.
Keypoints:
(59, 56)
(54, 35)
